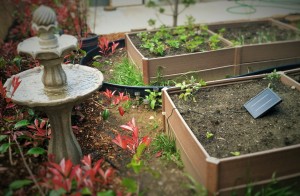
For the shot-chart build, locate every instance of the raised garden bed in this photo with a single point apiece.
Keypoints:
(261, 44)
(291, 19)
(276, 44)
(294, 74)
(266, 145)
(175, 63)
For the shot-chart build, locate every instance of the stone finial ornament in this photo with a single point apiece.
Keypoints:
(44, 21)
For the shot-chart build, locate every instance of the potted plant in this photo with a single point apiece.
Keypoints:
(261, 43)
(219, 141)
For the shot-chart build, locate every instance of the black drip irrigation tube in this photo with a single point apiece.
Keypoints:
(141, 89)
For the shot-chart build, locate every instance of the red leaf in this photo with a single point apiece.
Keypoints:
(9, 105)
(87, 161)
(109, 94)
(2, 90)
(121, 111)
(15, 84)
(158, 154)
(113, 47)
(146, 140)
(120, 142)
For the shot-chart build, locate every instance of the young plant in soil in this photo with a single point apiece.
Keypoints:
(273, 78)
(136, 146)
(189, 88)
(154, 98)
(182, 39)
(165, 147)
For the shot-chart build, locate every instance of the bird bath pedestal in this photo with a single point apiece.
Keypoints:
(54, 87)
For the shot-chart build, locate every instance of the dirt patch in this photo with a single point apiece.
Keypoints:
(220, 111)
(95, 138)
(256, 33)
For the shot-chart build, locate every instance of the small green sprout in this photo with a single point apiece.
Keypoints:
(236, 153)
(209, 135)
(273, 77)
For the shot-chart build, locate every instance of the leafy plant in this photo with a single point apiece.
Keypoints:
(214, 41)
(194, 45)
(132, 142)
(154, 98)
(113, 101)
(127, 74)
(190, 88)
(165, 147)
(86, 178)
(192, 38)
(136, 146)
(105, 49)
(273, 77)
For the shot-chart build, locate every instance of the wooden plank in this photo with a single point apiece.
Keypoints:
(257, 66)
(191, 62)
(206, 75)
(259, 166)
(194, 155)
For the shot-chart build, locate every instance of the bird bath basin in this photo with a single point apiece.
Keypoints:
(54, 87)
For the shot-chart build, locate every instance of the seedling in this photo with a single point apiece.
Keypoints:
(192, 38)
(273, 77)
(209, 135)
(154, 98)
(190, 88)
(236, 153)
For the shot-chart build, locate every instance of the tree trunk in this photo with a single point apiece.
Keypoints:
(175, 13)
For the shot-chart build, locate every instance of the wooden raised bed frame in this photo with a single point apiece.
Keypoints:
(177, 65)
(222, 176)
(218, 64)
(266, 55)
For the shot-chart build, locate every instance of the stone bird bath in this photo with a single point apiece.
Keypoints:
(54, 87)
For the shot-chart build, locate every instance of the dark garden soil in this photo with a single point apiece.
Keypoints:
(295, 76)
(220, 111)
(256, 33)
(95, 135)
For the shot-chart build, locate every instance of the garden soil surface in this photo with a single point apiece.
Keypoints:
(256, 33)
(220, 111)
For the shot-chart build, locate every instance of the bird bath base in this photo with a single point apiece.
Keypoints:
(82, 81)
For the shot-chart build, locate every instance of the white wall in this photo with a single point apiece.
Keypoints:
(117, 3)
